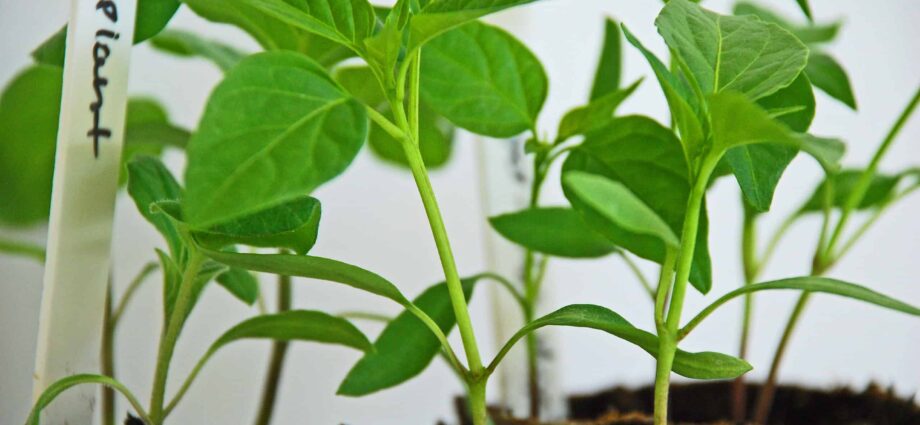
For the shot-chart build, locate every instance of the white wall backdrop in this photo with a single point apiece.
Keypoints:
(372, 217)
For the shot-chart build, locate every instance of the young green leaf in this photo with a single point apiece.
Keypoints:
(270, 32)
(29, 108)
(810, 284)
(881, 189)
(826, 74)
(63, 384)
(150, 182)
(609, 65)
(808, 34)
(312, 267)
(150, 18)
(241, 284)
(484, 80)
(406, 346)
(630, 221)
(293, 225)
(646, 158)
(187, 44)
(276, 128)
(704, 365)
(806, 8)
(384, 47)
(594, 115)
(555, 231)
(740, 53)
(347, 22)
(442, 15)
(758, 167)
(148, 131)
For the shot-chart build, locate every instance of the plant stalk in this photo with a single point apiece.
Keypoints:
(751, 270)
(171, 336)
(107, 357)
(276, 362)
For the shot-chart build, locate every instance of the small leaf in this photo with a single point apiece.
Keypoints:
(594, 115)
(442, 15)
(808, 34)
(628, 217)
(29, 108)
(740, 53)
(148, 131)
(293, 225)
(806, 8)
(826, 74)
(149, 183)
(150, 18)
(347, 22)
(646, 158)
(703, 365)
(406, 346)
(242, 284)
(483, 79)
(276, 128)
(187, 44)
(609, 65)
(296, 325)
(312, 267)
(555, 231)
(881, 189)
(63, 384)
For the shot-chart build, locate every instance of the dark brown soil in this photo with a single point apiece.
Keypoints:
(710, 404)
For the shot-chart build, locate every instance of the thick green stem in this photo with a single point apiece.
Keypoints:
(666, 350)
(477, 396)
(171, 336)
(276, 362)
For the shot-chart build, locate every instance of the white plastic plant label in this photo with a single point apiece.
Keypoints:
(89, 145)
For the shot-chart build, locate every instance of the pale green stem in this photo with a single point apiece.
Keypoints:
(141, 276)
(638, 273)
(25, 249)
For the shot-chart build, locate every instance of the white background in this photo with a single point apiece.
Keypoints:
(372, 217)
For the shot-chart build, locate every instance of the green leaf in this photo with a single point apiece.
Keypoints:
(703, 365)
(29, 108)
(276, 128)
(296, 325)
(806, 8)
(826, 74)
(151, 17)
(312, 267)
(63, 384)
(293, 225)
(555, 231)
(628, 217)
(682, 102)
(385, 47)
(148, 131)
(483, 79)
(758, 167)
(241, 283)
(150, 182)
(740, 53)
(406, 346)
(609, 65)
(881, 189)
(594, 115)
(346, 22)
(187, 44)
(808, 34)
(442, 15)
(647, 159)
(270, 32)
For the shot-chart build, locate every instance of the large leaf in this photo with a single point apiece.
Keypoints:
(270, 32)
(758, 167)
(484, 80)
(442, 15)
(826, 74)
(881, 189)
(594, 115)
(347, 22)
(312, 267)
(293, 225)
(553, 230)
(609, 65)
(703, 365)
(740, 53)
(150, 182)
(276, 128)
(187, 44)
(630, 221)
(647, 159)
(150, 18)
(29, 108)
(406, 346)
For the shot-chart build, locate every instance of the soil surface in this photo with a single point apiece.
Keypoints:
(710, 404)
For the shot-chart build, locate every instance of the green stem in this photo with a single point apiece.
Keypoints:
(276, 362)
(751, 270)
(171, 336)
(865, 179)
(25, 249)
(477, 397)
(638, 272)
(108, 358)
(141, 276)
(667, 348)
